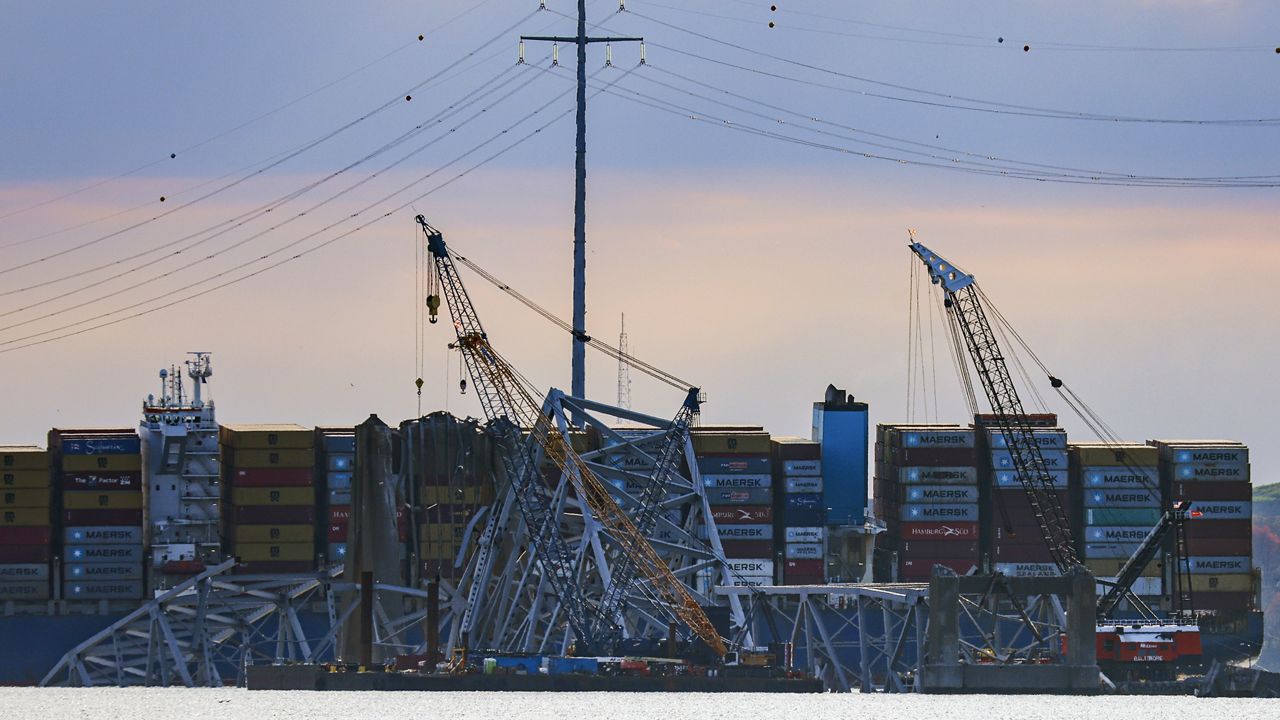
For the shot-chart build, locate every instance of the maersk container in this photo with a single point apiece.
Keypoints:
(1122, 516)
(737, 482)
(932, 457)
(805, 484)
(744, 465)
(1046, 439)
(803, 551)
(341, 463)
(941, 438)
(1220, 510)
(1205, 472)
(1231, 455)
(1132, 535)
(744, 532)
(939, 513)
(339, 481)
(103, 535)
(337, 552)
(1121, 498)
(938, 475)
(804, 534)
(1009, 478)
(102, 590)
(802, 468)
(751, 566)
(103, 571)
(1053, 459)
(1027, 569)
(941, 494)
(1201, 565)
(1120, 477)
(750, 580)
(23, 572)
(103, 553)
(25, 590)
(106, 445)
(340, 497)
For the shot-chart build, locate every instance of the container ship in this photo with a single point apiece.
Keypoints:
(100, 520)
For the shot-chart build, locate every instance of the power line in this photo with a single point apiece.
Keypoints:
(219, 135)
(315, 248)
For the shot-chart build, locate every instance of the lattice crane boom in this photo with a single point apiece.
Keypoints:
(962, 300)
(508, 401)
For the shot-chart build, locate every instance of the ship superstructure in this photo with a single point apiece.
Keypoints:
(182, 475)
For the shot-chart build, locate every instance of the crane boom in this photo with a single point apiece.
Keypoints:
(509, 403)
(962, 300)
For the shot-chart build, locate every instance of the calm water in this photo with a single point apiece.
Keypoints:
(232, 704)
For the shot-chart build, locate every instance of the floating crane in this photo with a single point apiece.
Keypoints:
(509, 402)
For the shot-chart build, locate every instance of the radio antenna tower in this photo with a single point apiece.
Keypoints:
(581, 40)
(624, 368)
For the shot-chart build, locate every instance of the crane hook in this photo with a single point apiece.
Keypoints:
(463, 385)
(433, 306)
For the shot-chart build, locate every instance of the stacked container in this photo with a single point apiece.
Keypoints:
(269, 470)
(1118, 496)
(926, 493)
(338, 458)
(454, 479)
(737, 474)
(1214, 476)
(800, 512)
(25, 531)
(101, 497)
(1014, 543)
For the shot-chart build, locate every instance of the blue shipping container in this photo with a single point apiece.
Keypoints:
(117, 445)
(804, 517)
(532, 665)
(572, 665)
(339, 481)
(339, 443)
(342, 462)
(842, 429)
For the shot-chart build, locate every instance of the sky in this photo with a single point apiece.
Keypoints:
(761, 269)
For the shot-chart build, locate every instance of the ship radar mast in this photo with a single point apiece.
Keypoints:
(199, 369)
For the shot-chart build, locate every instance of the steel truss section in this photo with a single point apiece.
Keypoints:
(514, 608)
(205, 631)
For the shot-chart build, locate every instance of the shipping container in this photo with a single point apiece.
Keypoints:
(274, 514)
(1133, 534)
(1120, 477)
(742, 514)
(338, 481)
(1207, 528)
(938, 530)
(267, 436)
(1045, 439)
(802, 468)
(1027, 549)
(101, 463)
(103, 535)
(708, 440)
(1053, 460)
(1208, 472)
(1113, 454)
(920, 570)
(1229, 546)
(940, 513)
(1128, 517)
(10, 535)
(25, 553)
(27, 590)
(936, 439)
(1027, 569)
(1213, 491)
(102, 500)
(1009, 479)
(24, 458)
(939, 494)
(25, 479)
(29, 517)
(1220, 583)
(1112, 551)
(98, 516)
(759, 567)
(103, 571)
(1121, 498)
(802, 566)
(274, 533)
(802, 551)
(938, 475)
(338, 443)
(339, 497)
(24, 498)
(950, 547)
(282, 496)
(744, 532)
(737, 482)
(287, 458)
(1110, 567)
(747, 548)
(1219, 600)
(1231, 455)
(103, 553)
(340, 463)
(102, 590)
(273, 477)
(336, 552)
(275, 552)
(1204, 510)
(105, 445)
(732, 465)
(801, 485)
(435, 550)
(1143, 586)
(1219, 565)
(804, 534)
(114, 481)
(905, 457)
(275, 567)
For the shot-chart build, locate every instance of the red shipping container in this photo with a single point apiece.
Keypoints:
(939, 548)
(101, 481)
(274, 477)
(1218, 529)
(748, 548)
(339, 514)
(935, 457)
(1220, 547)
(790, 579)
(101, 517)
(24, 553)
(1213, 491)
(742, 514)
(938, 531)
(803, 567)
(274, 514)
(913, 570)
(1021, 552)
(25, 536)
(1020, 535)
(274, 567)
(338, 533)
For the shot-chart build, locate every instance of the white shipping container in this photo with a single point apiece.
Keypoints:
(1053, 459)
(802, 467)
(1221, 510)
(1203, 565)
(1046, 439)
(24, 571)
(805, 534)
(938, 475)
(751, 580)
(1027, 569)
(937, 439)
(745, 532)
(750, 566)
(804, 551)
(1009, 479)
